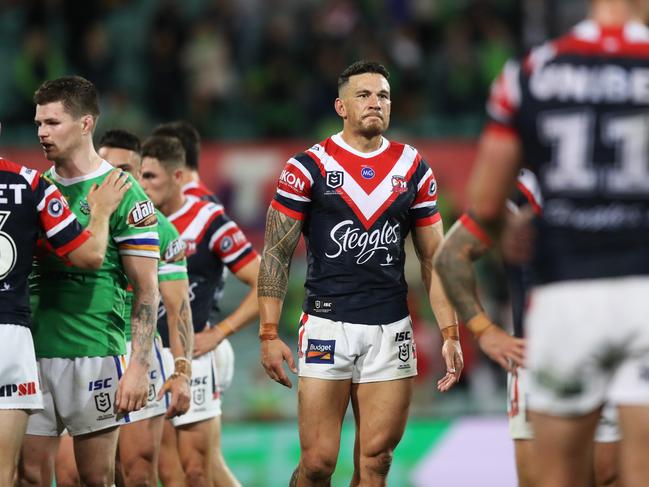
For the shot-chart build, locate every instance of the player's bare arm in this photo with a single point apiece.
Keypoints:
(175, 297)
(103, 201)
(426, 240)
(243, 315)
(280, 239)
(454, 264)
(142, 273)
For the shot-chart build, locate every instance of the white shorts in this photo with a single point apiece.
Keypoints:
(223, 357)
(588, 344)
(363, 353)
(19, 384)
(157, 377)
(78, 395)
(520, 426)
(205, 399)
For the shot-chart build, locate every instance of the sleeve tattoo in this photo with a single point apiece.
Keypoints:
(143, 325)
(185, 328)
(280, 239)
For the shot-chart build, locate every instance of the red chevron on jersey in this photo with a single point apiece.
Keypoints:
(193, 220)
(367, 183)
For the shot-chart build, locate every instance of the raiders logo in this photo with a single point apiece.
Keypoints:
(335, 179)
(142, 215)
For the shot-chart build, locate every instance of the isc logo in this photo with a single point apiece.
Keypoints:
(199, 381)
(98, 385)
(402, 336)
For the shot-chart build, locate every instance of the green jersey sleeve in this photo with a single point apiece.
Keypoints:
(173, 265)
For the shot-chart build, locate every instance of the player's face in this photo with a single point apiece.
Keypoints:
(365, 104)
(158, 184)
(58, 131)
(124, 159)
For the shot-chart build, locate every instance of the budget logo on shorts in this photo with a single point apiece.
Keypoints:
(320, 351)
(102, 402)
(335, 179)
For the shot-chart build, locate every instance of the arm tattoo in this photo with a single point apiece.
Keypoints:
(454, 263)
(185, 329)
(280, 239)
(143, 325)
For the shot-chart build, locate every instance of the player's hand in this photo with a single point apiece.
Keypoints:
(133, 388)
(207, 340)
(106, 197)
(502, 348)
(517, 241)
(452, 353)
(178, 387)
(273, 355)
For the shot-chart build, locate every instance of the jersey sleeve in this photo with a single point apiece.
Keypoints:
(134, 225)
(173, 264)
(293, 194)
(61, 228)
(526, 193)
(504, 101)
(229, 243)
(423, 210)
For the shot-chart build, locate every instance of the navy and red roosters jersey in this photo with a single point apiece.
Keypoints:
(198, 190)
(357, 209)
(29, 206)
(520, 277)
(580, 108)
(213, 243)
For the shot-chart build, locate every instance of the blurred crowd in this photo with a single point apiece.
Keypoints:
(243, 69)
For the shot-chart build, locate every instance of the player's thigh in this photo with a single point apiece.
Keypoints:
(95, 454)
(321, 408)
(195, 442)
(605, 463)
(634, 452)
(13, 423)
(140, 441)
(380, 428)
(526, 468)
(36, 464)
(65, 470)
(170, 469)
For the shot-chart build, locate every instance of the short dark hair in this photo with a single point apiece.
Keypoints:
(168, 150)
(188, 136)
(78, 95)
(361, 67)
(121, 139)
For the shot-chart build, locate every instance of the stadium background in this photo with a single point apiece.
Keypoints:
(258, 77)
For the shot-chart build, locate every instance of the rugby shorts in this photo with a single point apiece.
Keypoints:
(520, 426)
(205, 398)
(19, 384)
(223, 357)
(157, 377)
(588, 343)
(336, 350)
(78, 395)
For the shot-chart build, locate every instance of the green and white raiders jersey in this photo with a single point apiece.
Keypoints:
(80, 313)
(171, 267)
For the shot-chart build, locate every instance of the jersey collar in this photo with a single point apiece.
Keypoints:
(103, 168)
(338, 140)
(591, 31)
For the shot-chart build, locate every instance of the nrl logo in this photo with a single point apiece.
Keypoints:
(199, 396)
(102, 402)
(404, 352)
(335, 179)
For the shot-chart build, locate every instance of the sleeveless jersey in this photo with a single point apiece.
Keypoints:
(357, 210)
(29, 206)
(580, 107)
(213, 242)
(79, 313)
(171, 267)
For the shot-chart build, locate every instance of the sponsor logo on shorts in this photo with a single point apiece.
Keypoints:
(320, 351)
(55, 207)
(401, 336)
(198, 396)
(23, 389)
(142, 215)
(98, 385)
(102, 402)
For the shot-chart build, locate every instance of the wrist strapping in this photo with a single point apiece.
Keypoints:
(226, 329)
(182, 365)
(176, 375)
(451, 332)
(479, 324)
(268, 331)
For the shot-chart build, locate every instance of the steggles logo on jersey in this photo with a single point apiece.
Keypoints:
(399, 184)
(350, 239)
(335, 179)
(142, 215)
